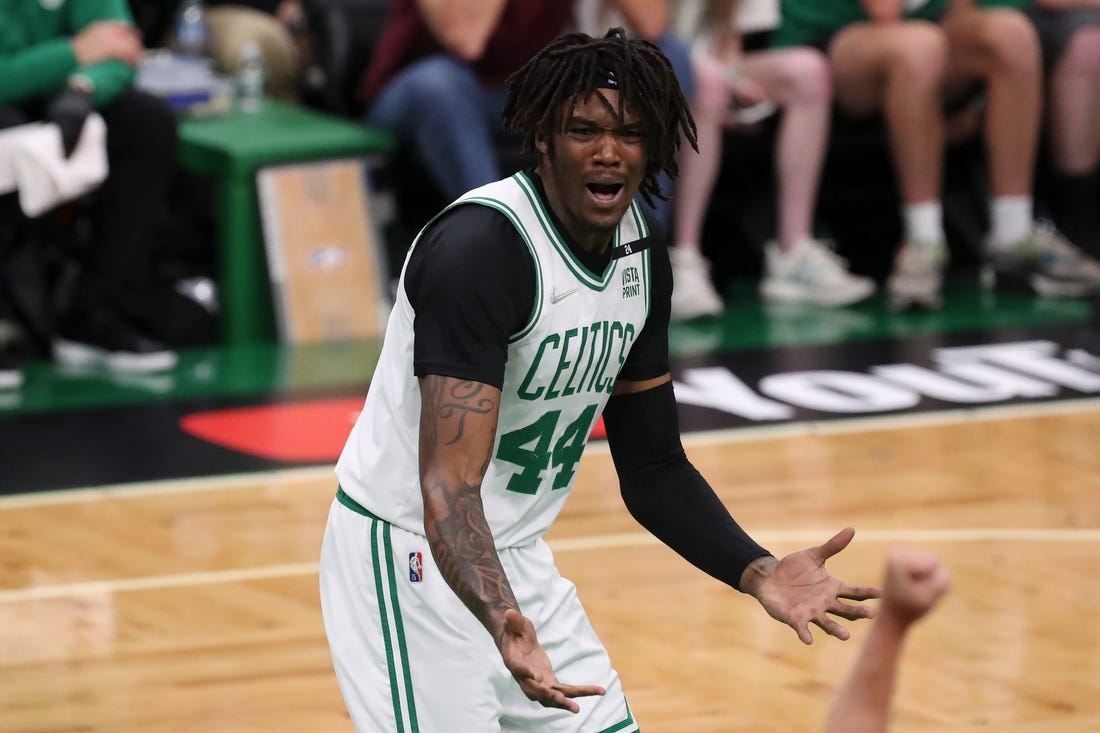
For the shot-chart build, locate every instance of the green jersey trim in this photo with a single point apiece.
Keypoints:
(647, 267)
(639, 220)
(579, 270)
(536, 309)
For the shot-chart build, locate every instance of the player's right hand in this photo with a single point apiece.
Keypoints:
(528, 663)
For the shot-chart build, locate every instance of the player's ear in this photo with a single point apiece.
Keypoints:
(542, 143)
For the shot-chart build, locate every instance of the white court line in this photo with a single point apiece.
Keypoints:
(573, 544)
(167, 487)
(838, 426)
(157, 582)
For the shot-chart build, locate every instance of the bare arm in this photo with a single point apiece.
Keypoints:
(463, 27)
(457, 428)
(914, 581)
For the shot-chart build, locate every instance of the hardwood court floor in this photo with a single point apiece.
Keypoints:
(192, 606)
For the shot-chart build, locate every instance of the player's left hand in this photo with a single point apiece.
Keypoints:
(799, 591)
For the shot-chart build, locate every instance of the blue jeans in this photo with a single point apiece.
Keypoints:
(439, 109)
(679, 55)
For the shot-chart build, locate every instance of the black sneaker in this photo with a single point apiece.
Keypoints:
(102, 337)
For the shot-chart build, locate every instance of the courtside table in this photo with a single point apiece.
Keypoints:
(232, 148)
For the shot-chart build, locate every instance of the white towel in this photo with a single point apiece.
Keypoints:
(9, 141)
(32, 161)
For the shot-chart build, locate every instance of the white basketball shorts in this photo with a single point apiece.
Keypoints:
(411, 658)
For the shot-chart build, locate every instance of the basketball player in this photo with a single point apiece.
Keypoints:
(525, 310)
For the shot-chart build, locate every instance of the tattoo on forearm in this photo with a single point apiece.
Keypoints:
(463, 547)
(453, 401)
(458, 532)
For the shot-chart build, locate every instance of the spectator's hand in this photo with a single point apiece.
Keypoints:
(108, 39)
(68, 111)
(528, 663)
(915, 580)
(798, 590)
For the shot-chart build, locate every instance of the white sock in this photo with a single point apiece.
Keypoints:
(1009, 220)
(924, 222)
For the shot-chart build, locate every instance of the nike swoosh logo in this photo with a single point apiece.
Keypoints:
(556, 296)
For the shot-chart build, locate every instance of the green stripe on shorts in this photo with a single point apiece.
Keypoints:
(622, 725)
(400, 712)
(400, 628)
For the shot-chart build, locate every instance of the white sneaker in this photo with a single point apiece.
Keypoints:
(812, 273)
(693, 293)
(10, 375)
(1045, 260)
(917, 278)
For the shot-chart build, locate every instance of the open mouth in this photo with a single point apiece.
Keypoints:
(605, 193)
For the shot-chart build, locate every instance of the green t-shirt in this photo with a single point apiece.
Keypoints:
(36, 58)
(813, 21)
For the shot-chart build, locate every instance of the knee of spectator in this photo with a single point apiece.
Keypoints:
(711, 94)
(807, 74)
(1009, 39)
(1082, 54)
(921, 52)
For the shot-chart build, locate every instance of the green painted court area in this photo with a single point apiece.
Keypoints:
(272, 369)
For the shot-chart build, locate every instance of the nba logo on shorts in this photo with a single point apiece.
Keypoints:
(416, 567)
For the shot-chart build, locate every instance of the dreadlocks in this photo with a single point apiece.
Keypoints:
(576, 64)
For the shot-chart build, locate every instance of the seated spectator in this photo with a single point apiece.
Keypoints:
(913, 583)
(1069, 34)
(436, 80)
(735, 72)
(904, 60)
(61, 61)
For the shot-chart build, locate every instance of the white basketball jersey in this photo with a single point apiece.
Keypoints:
(561, 368)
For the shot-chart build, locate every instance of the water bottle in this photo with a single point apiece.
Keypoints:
(191, 34)
(250, 78)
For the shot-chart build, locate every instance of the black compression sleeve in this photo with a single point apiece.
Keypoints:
(665, 493)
